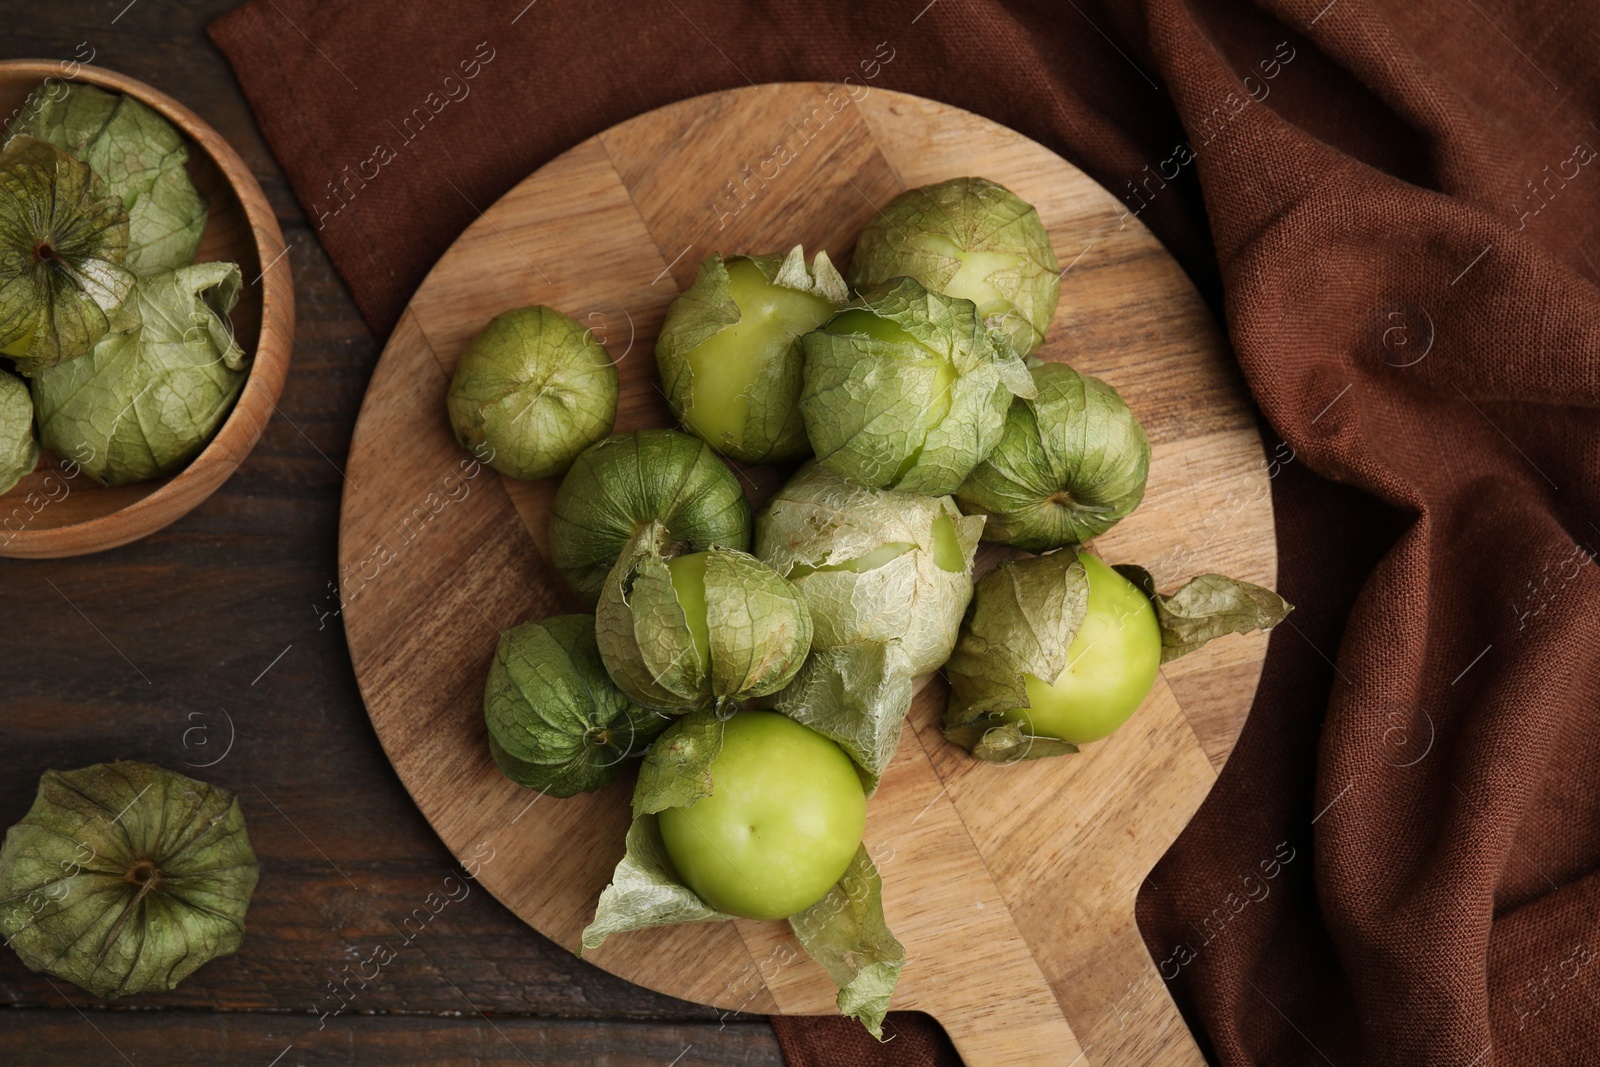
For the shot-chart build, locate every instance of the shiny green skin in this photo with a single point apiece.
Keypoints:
(620, 485)
(781, 825)
(1111, 664)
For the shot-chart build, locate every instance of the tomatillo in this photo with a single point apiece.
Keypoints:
(1111, 664)
(781, 825)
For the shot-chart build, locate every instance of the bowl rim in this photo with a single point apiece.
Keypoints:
(240, 431)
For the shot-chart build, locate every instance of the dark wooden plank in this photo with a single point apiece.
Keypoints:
(187, 1039)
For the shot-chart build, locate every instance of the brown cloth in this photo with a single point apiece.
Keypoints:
(1394, 207)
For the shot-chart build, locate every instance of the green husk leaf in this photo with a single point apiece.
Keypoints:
(627, 481)
(846, 933)
(759, 628)
(1071, 463)
(759, 625)
(1207, 607)
(643, 636)
(63, 243)
(997, 741)
(531, 391)
(1023, 618)
(822, 519)
(923, 232)
(677, 772)
(19, 451)
(822, 279)
(556, 721)
(139, 155)
(645, 891)
(857, 695)
(71, 900)
(866, 400)
(147, 400)
(773, 429)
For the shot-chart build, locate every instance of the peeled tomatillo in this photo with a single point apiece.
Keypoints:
(729, 364)
(780, 827)
(1111, 664)
(689, 583)
(729, 351)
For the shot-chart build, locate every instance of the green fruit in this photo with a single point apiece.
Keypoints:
(968, 238)
(531, 391)
(624, 483)
(698, 630)
(782, 823)
(906, 389)
(1111, 664)
(1071, 464)
(729, 352)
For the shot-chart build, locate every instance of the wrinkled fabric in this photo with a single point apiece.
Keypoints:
(1393, 208)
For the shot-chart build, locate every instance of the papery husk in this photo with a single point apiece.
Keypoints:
(626, 482)
(1071, 464)
(975, 214)
(866, 400)
(124, 877)
(759, 628)
(774, 430)
(556, 721)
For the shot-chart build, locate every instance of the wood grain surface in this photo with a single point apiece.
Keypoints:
(1012, 887)
(228, 615)
(57, 510)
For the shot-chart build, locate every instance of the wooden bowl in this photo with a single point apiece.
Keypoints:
(57, 510)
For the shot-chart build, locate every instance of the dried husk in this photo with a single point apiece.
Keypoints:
(866, 400)
(1071, 464)
(125, 877)
(626, 482)
(63, 246)
(820, 518)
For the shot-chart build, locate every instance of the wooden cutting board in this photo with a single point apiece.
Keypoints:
(1012, 887)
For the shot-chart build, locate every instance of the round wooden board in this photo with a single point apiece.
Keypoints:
(1012, 887)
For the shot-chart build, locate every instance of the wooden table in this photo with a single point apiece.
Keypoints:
(148, 652)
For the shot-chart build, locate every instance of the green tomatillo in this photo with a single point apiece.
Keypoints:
(557, 723)
(730, 356)
(19, 450)
(1059, 650)
(138, 154)
(149, 398)
(755, 815)
(624, 483)
(63, 246)
(125, 877)
(906, 389)
(970, 238)
(1071, 463)
(531, 391)
(782, 823)
(872, 565)
(685, 630)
